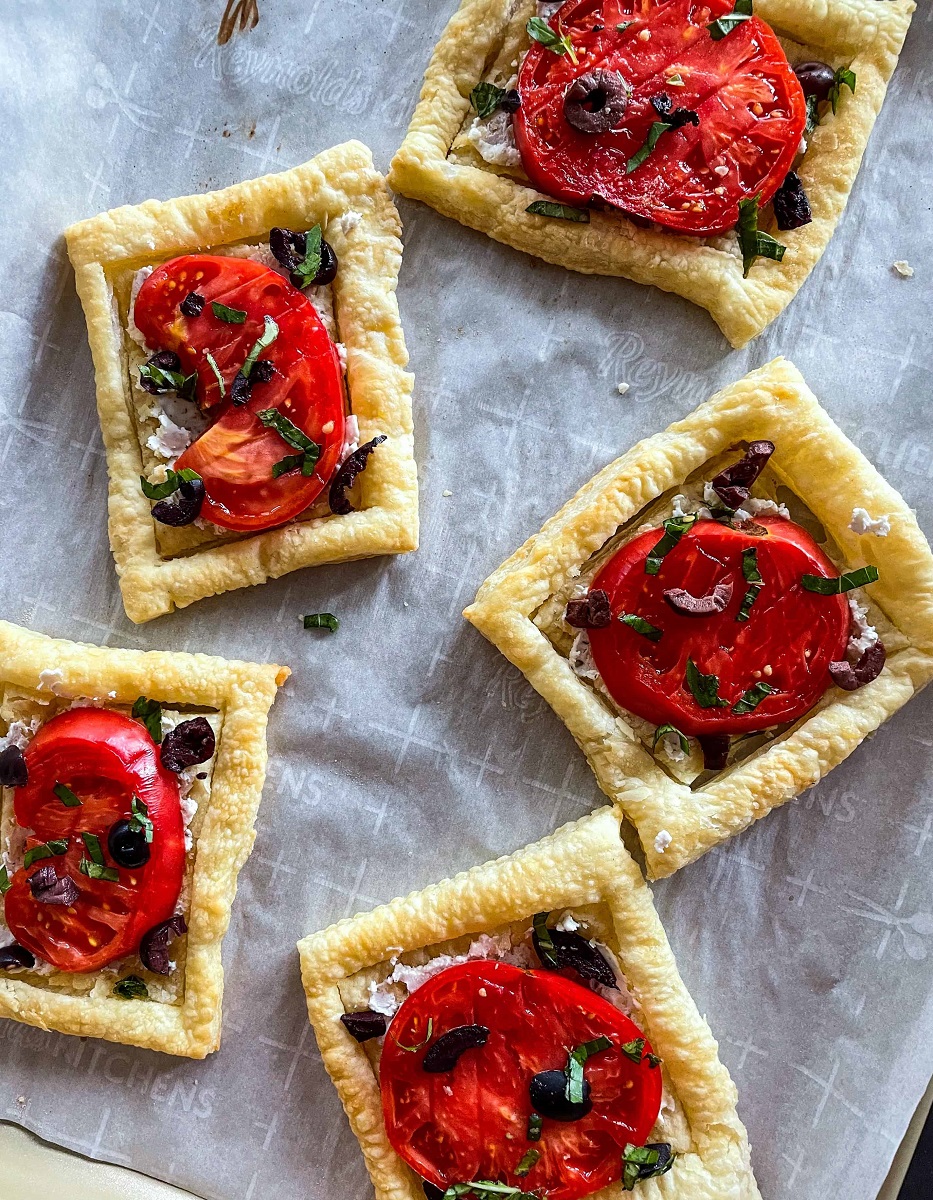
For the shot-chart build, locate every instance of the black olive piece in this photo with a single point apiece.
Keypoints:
(816, 78)
(715, 749)
(573, 951)
(189, 743)
(364, 1025)
(13, 772)
(851, 677)
(153, 949)
(732, 485)
(685, 602)
(432, 1191)
(15, 956)
(288, 246)
(192, 305)
(351, 467)
(665, 1153)
(548, 1092)
(326, 272)
(165, 360)
(262, 371)
(596, 102)
(591, 611)
(445, 1053)
(791, 206)
(240, 389)
(511, 102)
(182, 508)
(48, 888)
(128, 846)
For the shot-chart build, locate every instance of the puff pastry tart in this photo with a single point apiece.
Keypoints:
(695, 144)
(721, 615)
(255, 409)
(123, 822)
(486, 1046)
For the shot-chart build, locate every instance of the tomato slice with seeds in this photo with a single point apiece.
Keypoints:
(472, 1122)
(750, 105)
(236, 455)
(106, 759)
(790, 638)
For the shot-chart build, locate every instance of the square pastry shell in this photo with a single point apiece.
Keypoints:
(864, 34)
(335, 183)
(242, 694)
(582, 864)
(814, 459)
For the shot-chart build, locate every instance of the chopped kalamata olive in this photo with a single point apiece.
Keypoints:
(262, 371)
(869, 666)
(432, 1192)
(343, 480)
(511, 102)
(192, 305)
(674, 118)
(153, 949)
(364, 1025)
(791, 206)
(288, 246)
(591, 611)
(733, 484)
(715, 749)
(127, 844)
(596, 102)
(574, 951)
(665, 1153)
(15, 957)
(48, 888)
(183, 507)
(189, 743)
(700, 606)
(326, 272)
(240, 389)
(165, 360)
(548, 1092)
(445, 1053)
(13, 772)
(816, 78)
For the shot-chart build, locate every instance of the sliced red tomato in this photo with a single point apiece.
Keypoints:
(236, 455)
(750, 105)
(106, 759)
(788, 641)
(472, 1122)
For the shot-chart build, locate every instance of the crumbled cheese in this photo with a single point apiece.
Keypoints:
(903, 268)
(169, 440)
(670, 745)
(568, 923)
(20, 733)
(347, 221)
(342, 355)
(494, 140)
(662, 841)
(756, 508)
(862, 634)
(622, 388)
(721, 170)
(50, 678)
(581, 658)
(547, 8)
(131, 327)
(862, 522)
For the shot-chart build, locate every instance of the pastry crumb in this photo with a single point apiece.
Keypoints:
(903, 268)
(623, 388)
(446, 492)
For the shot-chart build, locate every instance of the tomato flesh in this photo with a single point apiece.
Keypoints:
(750, 104)
(236, 455)
(106, 759)
(471, 1122)
(788, 642)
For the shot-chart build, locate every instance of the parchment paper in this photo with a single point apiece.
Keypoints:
(406, 748)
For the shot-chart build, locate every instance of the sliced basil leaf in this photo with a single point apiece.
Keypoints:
(321, 621)
(563, 212)
(308, 268)
(150, 713)
(574, 1068)
(842, 583)
(140, 818)
(705, 688)
(640, 625)
(538, 29)
(844, 77)
(741, 12)
(266, 338)
(651, 141)
(535, 1125)
(546, 948)
(66, 795)
(291, 462)
(420, 1045)
(131, 987)
(485, 98)
(747, 601)
(212, 363)
(750, 565)
(752, 242)
(529, 1158)
(223, 312)
(645, 1162)
(5, 886)
(653, 1060)
(46, 850)
(287, 430)
(752, 698)
(484, 1187)
(168, 381)
(664, 730)
(173, 481)
(92, 845)
(635, 1050)
(674, 529)
(94, 870)
(813, 116)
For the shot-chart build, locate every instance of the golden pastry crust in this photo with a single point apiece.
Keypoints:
(335, 183)
(582, 864)
(815, 460)
(862, 33)
(242, 693)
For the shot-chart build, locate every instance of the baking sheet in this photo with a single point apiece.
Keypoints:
(405, 747)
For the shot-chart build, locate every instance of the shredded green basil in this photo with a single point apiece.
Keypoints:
(653, 1060)
(51, 849)
(640, 625)
(563, 212)
(705, 688)
(750, 570)
(66, 795)
(674, 529)
(266, 338)
(212, 363)
(311, 263)
(535, 1125)
(173, 481)
(741, 12)
(747, 601)
(5, 886)
(813, 115)
(169, 381)
(140, 818)
(131, 987)
(484, 1187)
(539, 30)
(420, 1045)
(321, 621)
(635, 1050)
(574, 1068)
(223, 312)
(844, 77)
(94, 870)
(92, 845)
(546, 949)
(752, 242)
(150, 713)
(842, 583)
(674, 120)
(290, 433)
(752, 698)
(529, 1158)
(623, 26)
(641, 1162)
(485, 99)
(664, 730)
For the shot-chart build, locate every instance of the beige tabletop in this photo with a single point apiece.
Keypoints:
(34, 1170)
